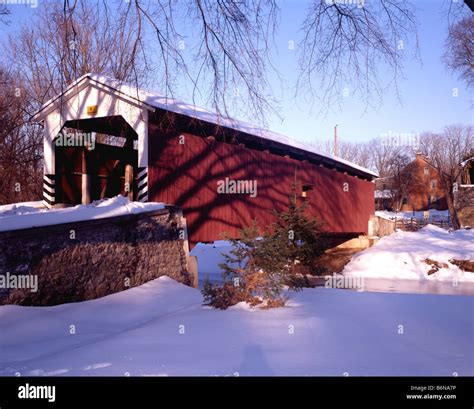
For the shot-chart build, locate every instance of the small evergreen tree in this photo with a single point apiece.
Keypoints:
(297, 236)
(245, 274)
(258, 267)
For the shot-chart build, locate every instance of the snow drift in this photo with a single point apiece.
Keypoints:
(161, 328)
(401, 255)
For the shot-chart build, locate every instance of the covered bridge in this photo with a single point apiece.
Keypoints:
(103, 137)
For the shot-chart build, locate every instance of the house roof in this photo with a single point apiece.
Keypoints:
(153, 100)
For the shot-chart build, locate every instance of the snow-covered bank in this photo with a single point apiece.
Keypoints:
(26, 215)
(401, 255)
(160, 328)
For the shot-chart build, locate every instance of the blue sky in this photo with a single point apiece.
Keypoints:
(426, 89)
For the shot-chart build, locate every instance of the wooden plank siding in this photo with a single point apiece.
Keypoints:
(186, 174)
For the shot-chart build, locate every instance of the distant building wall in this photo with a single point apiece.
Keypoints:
(417, 187)
(90, 259)
(424, 188)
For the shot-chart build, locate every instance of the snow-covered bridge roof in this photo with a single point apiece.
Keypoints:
(154, 100)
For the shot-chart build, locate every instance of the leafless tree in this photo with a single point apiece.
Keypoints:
(383, 151)
(378, 154)
(43, 59)
(358, 153)
(459, 49)
(20, 146)
(445, 151)
(346, 43)
(61, 45)
(219, 47)
(399, 178)
(226, 58)
(233, 40)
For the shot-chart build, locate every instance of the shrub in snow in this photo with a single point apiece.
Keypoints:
(258, 268)
(246, 278)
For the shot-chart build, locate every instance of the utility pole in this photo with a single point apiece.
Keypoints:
(335, 141)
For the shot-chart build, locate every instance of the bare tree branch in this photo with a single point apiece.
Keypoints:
(459, 49)
(345, 45)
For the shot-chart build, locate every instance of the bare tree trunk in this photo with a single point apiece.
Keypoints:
(452, 211)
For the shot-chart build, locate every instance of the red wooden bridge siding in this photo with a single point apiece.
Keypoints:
(186, 174)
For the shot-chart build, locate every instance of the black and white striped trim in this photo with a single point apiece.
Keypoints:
(142, 185)
(49, 190)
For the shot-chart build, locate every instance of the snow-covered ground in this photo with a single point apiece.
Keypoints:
(401, 255)
(32, 214)
(434, 215)
(161, 328)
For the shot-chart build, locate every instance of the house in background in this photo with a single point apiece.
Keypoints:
(464, 194)
(418, 187)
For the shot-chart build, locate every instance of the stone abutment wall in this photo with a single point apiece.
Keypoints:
(90, 259)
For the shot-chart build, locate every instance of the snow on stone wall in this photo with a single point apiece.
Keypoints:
(89, 259)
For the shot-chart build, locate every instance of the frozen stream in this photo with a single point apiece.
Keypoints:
(419, 286)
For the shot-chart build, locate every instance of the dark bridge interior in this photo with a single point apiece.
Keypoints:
(107, 162)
